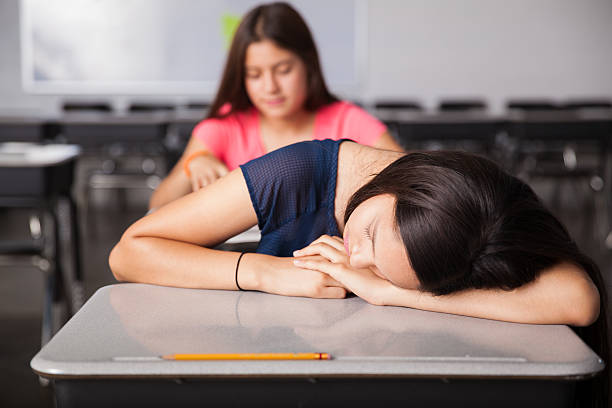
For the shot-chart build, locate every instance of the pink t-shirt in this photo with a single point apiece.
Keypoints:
(236, 139)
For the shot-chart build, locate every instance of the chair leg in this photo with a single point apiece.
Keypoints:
(55, 310)
(606, 199)
(556, 198)
(47, 326)
(68, 255)
(48, 329)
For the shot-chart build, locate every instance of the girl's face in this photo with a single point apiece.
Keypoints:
(372, 241)
(275, 79)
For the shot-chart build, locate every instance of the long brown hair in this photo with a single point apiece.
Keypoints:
(466, 224)
(282, 24)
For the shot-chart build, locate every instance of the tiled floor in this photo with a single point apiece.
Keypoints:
(21, 289)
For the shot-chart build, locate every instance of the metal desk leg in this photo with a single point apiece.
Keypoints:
(68, 254)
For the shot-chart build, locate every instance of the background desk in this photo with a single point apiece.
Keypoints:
(478, 132)
(39, 178)
(107, 354)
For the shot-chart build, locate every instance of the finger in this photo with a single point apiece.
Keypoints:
(339, 240)
(328, 281)
(201, 182)
(332, 292)
(335, 242)
(335, 271)
(314, 257)
(323, 249)
(195, 186)
(222, 171)
(209, 178)
(325, 278)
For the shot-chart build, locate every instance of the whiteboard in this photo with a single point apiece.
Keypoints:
(166, 46)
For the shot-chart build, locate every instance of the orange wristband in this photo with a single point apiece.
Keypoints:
(191, 157)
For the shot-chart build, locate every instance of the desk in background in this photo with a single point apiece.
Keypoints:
(21, 128)
(558, 144)
(107, 354)
(39, 178)
(563, 135)
(473, 131)
(121, 152)
(570, 145)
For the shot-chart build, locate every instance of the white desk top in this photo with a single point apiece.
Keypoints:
(123, 329)
(19, 154)
(251, 235)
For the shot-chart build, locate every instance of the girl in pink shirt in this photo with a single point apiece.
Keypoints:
(272, 94)
(237, 138)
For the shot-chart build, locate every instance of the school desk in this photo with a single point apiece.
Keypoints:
(23, 128)
(474, 131)
(108, 354)
(39, 178)
(567, 145)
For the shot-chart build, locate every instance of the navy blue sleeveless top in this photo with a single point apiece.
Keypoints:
(293, 191)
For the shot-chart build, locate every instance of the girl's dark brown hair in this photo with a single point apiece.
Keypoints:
(282, 24)
(466, 224)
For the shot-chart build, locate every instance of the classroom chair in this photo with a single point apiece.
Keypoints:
(180, 128)
(121, 153)
(604, 104)
(457, 124)
(531, 105)
(390, 111)
(86, 106)
(462, 105)
(398, 104)
(568, 147)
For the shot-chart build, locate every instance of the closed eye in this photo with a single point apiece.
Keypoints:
(369, 236)
(252, 74)
(285, 68)
(366, 233)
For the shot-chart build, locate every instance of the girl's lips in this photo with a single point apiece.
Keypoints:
(274, 102)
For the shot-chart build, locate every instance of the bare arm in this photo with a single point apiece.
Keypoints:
(204, 170)
(166, 247)
(387, 142)
(562, 294)
(172, 247)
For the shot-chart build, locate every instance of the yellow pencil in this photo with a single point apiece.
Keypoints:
(249, 356)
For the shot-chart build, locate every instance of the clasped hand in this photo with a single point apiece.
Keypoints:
(327, 255)
(205, 170)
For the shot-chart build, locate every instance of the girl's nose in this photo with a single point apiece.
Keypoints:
(358, 259)
(270, 82)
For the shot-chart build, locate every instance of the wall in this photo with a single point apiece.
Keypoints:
(432, 49)
(496, 49)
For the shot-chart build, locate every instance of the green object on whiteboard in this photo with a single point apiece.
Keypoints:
(229, 24)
